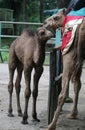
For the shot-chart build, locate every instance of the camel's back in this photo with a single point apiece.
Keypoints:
(25, 45)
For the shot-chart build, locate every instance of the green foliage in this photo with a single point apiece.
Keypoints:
(50, 4)
(6, 42)
(5, 55)
(33, 11)
(62, 3)
(27, 8)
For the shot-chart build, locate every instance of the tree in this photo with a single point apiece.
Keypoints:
(24, 10)
(15, 5)
(41, 10)
(62, 3)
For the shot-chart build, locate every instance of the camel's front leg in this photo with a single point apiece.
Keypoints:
(27, 74)
(67, 65)
(65, 82)
(18, 88)
(10, 88)
(77, 86)
(37, 75)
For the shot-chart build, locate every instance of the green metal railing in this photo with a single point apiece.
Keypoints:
(52, 41)
(11, 36)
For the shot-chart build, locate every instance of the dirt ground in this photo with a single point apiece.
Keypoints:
(14, 123)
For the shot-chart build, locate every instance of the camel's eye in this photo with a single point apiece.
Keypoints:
(57, 17)
(43, 32)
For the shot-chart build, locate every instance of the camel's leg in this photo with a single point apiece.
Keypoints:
(65, 83)
(12, 67)
(10, 89)
(18, 87)
(27, 74)
(77, 87)
(37, 75)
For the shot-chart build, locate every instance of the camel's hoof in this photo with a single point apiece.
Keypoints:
(10, 115)
(34, 116)
(47, 129)
(68, 100)
(51, 128)
(71, 116)
(24, 122)
(20, 114)
(36, 119)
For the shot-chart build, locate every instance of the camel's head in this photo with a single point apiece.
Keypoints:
(44, 34)
(56, 20)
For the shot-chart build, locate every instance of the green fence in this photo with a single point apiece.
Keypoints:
(51, 42)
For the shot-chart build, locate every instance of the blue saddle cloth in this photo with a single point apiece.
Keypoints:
(80, 12)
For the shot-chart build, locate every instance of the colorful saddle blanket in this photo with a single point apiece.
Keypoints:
(69, 29)
(80, 12)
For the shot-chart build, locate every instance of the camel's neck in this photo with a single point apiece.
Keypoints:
(42, 45)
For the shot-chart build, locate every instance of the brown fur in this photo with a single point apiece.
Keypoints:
(72, 65)
(27, 52)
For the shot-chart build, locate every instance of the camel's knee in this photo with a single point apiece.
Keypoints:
(38, 72)
(17, 87)
(61, 99)
(10, 87)
(27, 93)
(77, 85)
(35, 93)
(41, 70)
(12, 66)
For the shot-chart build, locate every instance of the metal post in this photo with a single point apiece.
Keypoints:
(0, 34)
(0, 43)
(54, 88)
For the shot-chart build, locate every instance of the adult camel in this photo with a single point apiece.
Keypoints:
(72, 64)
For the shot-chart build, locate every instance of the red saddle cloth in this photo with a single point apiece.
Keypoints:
(69, 29)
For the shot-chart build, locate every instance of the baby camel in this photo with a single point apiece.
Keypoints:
(27, 52)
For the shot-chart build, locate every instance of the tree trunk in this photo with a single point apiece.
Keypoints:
(24, 10)
(41, 10)
(62, 3)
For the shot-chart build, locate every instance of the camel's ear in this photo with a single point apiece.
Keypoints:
(59, 14)
(64, 11)
(56, 17)
(41, 33)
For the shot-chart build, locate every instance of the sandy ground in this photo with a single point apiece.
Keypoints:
(14, 123)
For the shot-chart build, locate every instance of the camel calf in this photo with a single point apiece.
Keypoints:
(27, 52)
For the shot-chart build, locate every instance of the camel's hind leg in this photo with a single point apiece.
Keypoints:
(27, 74)
(37, 75)
(12, 67)
(67, 64)
(77, 87)
(18, 87)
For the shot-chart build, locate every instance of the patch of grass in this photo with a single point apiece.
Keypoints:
(5, 54)
(6, 41)
(5, 44)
